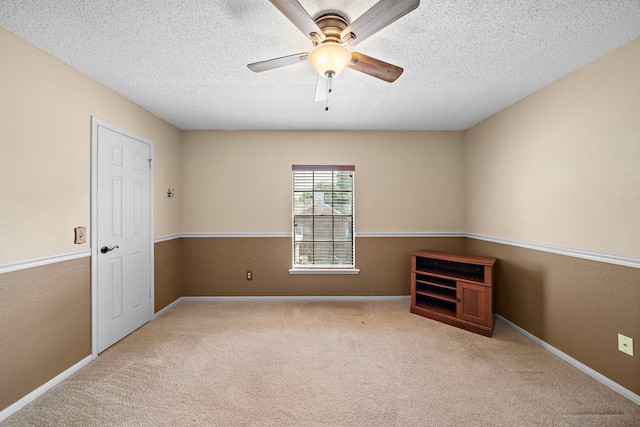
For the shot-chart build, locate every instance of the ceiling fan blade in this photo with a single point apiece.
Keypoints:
(283, 61)
(374, 67)
(300, 18)
(373, 20)
(323, 88)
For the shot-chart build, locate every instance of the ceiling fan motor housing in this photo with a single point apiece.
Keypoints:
(331, 24)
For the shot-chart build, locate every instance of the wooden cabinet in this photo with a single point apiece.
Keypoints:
(453, 289)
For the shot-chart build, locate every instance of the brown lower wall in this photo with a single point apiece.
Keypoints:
(217, 266)
(45, 325)
(167, 273)
(578, 306)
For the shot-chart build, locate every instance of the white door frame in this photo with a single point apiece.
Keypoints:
(95, 123)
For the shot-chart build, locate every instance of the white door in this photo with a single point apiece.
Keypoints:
(123, 235)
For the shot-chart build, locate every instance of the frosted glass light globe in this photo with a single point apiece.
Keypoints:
(329, 58)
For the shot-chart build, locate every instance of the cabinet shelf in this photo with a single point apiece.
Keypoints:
(438, 308)
(435, 280)
(427, 284)
(454, 289)
(437, 295)
(451, 277)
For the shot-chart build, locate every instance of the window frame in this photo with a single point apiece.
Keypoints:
(322, 268)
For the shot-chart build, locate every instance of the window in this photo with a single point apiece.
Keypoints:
(323, 225)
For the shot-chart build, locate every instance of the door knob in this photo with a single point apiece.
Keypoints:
(106, 249)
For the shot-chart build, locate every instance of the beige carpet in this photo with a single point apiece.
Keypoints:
(323, 363)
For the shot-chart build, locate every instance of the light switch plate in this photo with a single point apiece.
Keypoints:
(81, 235)
(625, 344)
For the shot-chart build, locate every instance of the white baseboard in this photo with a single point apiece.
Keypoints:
(167, 308)
(299, 298)
(10, 410)
(283, 298)
(573, 362)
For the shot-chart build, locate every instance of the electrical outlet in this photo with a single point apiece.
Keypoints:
(625, 344)
(81, 235)
(249, 275)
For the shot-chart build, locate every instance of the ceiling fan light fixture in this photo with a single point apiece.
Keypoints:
(329, 58)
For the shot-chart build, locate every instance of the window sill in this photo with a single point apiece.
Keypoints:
(324, 271)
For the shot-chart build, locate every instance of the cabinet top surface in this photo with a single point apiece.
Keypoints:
(473, 259)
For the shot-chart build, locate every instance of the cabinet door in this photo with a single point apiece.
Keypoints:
(475, 303)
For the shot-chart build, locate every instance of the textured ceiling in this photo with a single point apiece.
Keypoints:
(185, 61)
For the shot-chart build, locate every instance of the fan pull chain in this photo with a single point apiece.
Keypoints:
(328, 82)
(326, 98)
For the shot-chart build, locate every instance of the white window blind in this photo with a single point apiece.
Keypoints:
(323, 222)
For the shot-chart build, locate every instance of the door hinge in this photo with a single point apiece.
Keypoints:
(149, 292)
(149, 163)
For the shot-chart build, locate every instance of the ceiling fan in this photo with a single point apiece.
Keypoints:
(333, 35)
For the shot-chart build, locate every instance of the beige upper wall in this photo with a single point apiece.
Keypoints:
(45, 142)
(562, 167)
(241, 181)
